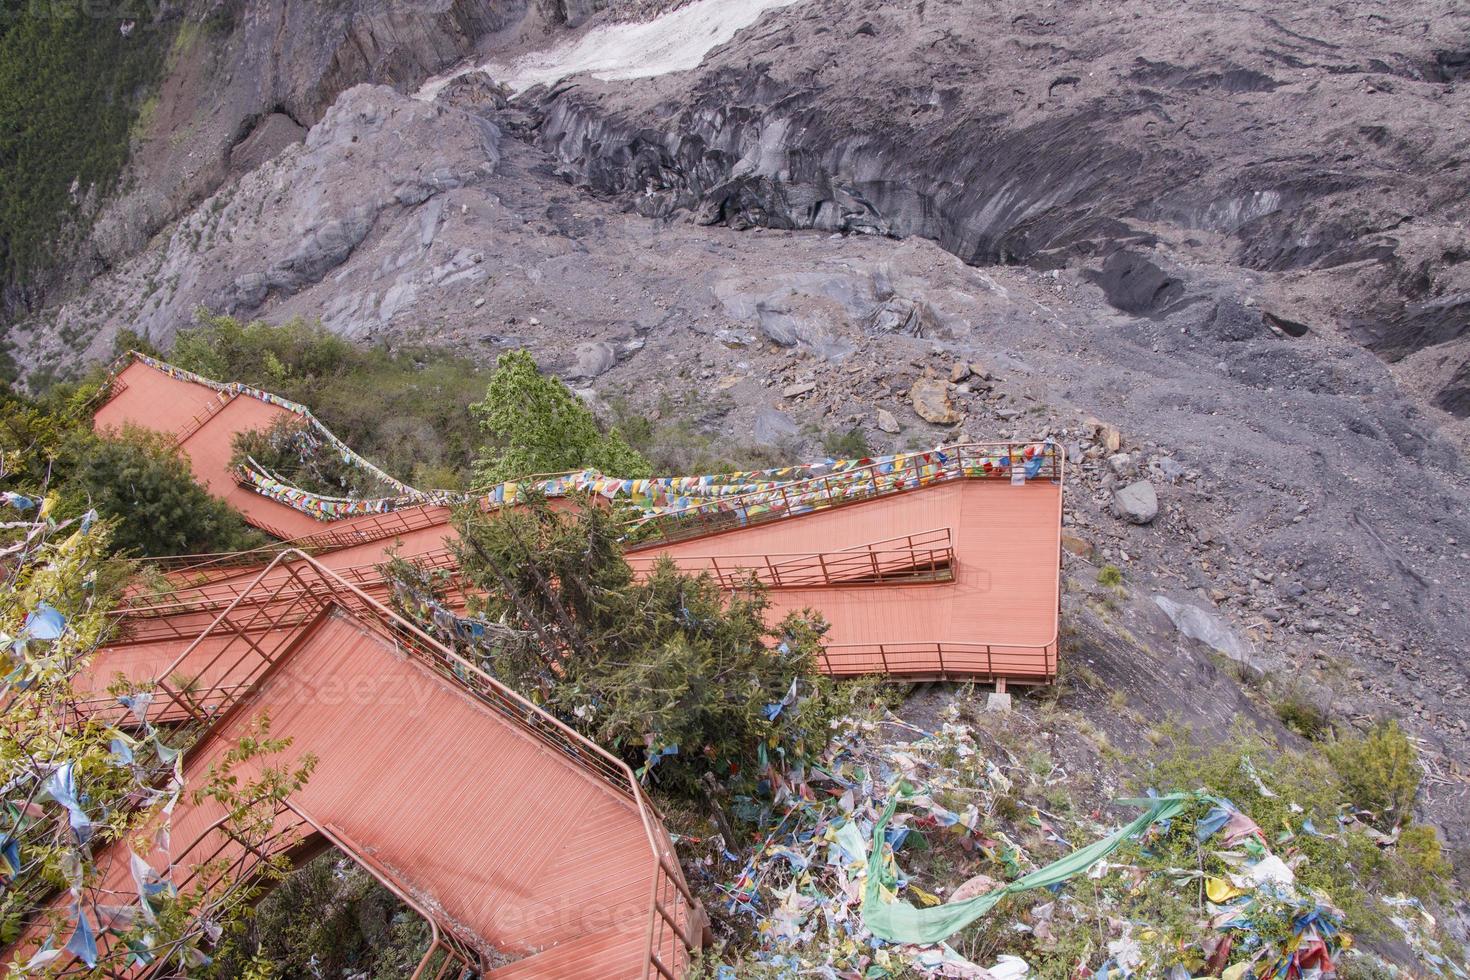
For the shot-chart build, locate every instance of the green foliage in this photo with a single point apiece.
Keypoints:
(1350, 866)
(1380, 771)
(851, 444)
(289, 450)
(70, 87)
(679, 434)
(535, 425)
(329, 919)
(645, 665)
(140, 479)
(1303, 717)
(404, 408)
(1110, 576)
(46, 731)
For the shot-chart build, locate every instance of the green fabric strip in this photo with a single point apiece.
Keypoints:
(899, 922)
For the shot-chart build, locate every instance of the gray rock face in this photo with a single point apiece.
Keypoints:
(1136, 503)
(243, 92)
(593, 360)
(1208, 628)
(773, 428)
(376, 157)
(990, 158)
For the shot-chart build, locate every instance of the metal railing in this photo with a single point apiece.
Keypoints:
(215, 406)
(942, 661)
(293, 593)
(927, 556)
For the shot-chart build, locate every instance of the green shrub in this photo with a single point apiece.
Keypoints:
(851, 444)
(330, 918)
(289, 450)
(405, 408)
(644, 665)
(140, 479)
(535, 425)
(1110, 576)
(1380, 771)
(1303, 717)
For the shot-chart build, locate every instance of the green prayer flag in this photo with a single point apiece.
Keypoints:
(897, 921)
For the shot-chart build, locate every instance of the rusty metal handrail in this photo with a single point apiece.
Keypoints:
(925, 556)
(206, 712)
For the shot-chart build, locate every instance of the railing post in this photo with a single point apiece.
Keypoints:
(939, 649)
(883, 655)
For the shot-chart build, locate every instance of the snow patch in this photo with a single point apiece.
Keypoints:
(676, 41)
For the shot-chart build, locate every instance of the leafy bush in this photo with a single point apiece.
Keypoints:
(667, 671)
(1380, 771)
(141, 480)
(536, 425)
(1303, 717)
(1110, 576)
(330, 918)
(1349, 865)
(405, 408)
(290, 450)
(851, 444)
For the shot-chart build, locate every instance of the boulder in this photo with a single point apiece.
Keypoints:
(1136, 503)
(593, 360)
(1209, 629)
(886, 422)
(930, 398)
(799, 389)
(773, 428)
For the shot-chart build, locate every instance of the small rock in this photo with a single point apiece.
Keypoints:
(1080, 547)
(1121, 463)
(1312, 626)
(930, 398)
(1110, 436)
(1354, 610)
(886, 422)
(1262, 576)
(479, 302)
(1137, 503)
(1006, 414)
(799, 389)
(959, 372)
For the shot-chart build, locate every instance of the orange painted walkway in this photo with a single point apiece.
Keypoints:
(518, 837)
(515, 836)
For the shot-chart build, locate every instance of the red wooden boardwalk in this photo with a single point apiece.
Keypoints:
(518, 838)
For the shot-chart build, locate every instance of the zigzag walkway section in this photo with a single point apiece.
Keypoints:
(533, 852)
(951, 571)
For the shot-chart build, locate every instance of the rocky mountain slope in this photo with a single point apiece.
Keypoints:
(1219, 251)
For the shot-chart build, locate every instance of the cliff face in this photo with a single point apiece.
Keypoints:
(1319, 149)
(244, 80)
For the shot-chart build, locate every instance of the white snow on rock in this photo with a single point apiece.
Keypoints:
(676, 41)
